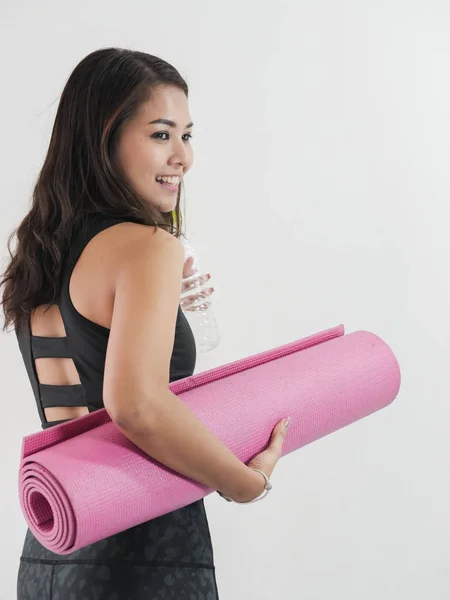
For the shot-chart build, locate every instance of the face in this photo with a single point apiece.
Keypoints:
(156, 145)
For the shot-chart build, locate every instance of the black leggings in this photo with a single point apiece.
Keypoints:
(168, 557)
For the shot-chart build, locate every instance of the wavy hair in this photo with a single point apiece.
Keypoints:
(78, 177)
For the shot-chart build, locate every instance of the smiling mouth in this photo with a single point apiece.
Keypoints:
(174, 180)
(171, 184)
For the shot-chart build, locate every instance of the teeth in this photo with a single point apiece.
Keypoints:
(171, 180)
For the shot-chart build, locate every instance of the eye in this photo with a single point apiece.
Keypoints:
(159, 136)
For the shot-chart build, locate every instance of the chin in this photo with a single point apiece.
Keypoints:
(163, 206)
(166, 207)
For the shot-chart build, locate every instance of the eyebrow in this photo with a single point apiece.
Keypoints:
(169, 123)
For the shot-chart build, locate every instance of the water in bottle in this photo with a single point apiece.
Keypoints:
(199, 312)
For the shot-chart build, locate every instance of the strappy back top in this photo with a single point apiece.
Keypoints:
(86, 342)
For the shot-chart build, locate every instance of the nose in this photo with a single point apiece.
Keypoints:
(180, 154)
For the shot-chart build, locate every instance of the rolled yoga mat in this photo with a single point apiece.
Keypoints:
(83, 480)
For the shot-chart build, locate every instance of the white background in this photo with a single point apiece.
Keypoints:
(319, 196)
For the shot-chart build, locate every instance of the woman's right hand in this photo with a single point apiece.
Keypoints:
(266, 460)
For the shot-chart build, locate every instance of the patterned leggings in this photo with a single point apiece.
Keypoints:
(168, 557)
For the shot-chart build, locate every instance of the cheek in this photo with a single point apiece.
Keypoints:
(142, 157)
(149, 161)
(134, 161)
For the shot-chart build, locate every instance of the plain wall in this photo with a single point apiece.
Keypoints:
(319, 196)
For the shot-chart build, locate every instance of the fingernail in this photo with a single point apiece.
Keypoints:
(287, 422)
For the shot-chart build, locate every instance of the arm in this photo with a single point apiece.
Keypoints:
(136, 382)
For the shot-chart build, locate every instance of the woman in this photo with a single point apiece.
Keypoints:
(93, 292)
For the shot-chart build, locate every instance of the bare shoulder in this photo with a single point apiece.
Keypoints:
(146, 302)
(125, 248)
(130, 236)
(143, 238)
(124, 243)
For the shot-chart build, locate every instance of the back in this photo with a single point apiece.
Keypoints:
(171, 554)
(85, 343)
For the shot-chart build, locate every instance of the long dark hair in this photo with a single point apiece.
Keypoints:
(78, 177)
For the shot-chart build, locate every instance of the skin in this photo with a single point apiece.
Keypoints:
(146, 151)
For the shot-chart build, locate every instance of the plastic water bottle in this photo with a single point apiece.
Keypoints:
(200, 315)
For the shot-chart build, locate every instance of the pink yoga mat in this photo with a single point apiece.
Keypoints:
(83, 480)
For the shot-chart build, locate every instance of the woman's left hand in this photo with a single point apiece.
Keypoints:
(202, 279)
